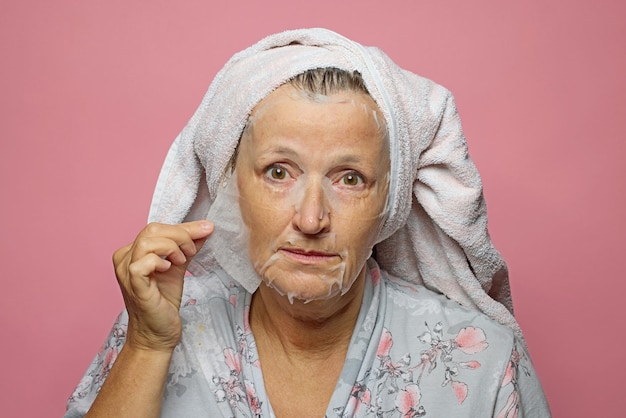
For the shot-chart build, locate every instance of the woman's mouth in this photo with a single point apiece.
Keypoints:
(307, 256)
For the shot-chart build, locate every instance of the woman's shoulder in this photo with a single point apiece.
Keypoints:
(437, 355)
(431, 316)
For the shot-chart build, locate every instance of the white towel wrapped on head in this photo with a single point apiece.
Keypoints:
(436, 231)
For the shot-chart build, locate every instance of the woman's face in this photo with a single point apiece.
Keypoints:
(312, 178)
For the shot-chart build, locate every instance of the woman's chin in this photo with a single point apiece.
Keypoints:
(306, 289)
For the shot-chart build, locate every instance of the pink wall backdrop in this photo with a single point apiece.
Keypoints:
(92, 94)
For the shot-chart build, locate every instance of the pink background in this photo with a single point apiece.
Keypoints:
(92, 93)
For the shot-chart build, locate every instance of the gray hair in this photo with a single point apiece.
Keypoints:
(327, 81)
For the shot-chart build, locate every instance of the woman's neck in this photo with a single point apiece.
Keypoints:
(306, 330)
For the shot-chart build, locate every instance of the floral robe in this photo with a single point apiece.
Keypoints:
(413, 353)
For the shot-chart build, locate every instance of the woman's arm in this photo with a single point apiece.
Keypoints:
(134, 386)
(150, 272)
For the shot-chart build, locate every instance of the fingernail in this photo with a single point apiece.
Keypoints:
(206, 225)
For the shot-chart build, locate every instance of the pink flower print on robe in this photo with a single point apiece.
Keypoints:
(359, 396)
(385, 344)
(231, 388)
(388, 371)
(244, 343)
(471, 340)
(253, 400)
(511, 408)
(408, 402)
(232, 361)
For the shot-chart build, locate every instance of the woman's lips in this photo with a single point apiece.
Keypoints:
(307, 256)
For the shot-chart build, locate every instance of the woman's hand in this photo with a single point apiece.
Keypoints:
(150, 272)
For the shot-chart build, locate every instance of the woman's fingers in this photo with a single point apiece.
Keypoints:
(147, 265)
(151, 272)
(152, 254)
(198, 229)
(176, 242)
(198, 232)
(167, 248)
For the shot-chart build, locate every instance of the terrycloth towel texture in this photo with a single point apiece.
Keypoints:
(436, 232)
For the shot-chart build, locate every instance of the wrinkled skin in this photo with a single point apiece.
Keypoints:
(313, 179)
(150, 272)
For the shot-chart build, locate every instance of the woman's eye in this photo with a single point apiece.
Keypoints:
(352, 179)
(276, 173)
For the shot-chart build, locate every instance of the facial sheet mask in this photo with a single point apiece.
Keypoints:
(307, 201)
(230, 243)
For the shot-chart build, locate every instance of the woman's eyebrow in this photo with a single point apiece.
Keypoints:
(282, 150)
(349, 159)
(278, 149)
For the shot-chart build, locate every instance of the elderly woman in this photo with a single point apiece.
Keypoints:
(346, 269)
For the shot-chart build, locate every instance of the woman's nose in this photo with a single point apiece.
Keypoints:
(312, 214)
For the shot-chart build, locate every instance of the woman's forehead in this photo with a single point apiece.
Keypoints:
(289, 106)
